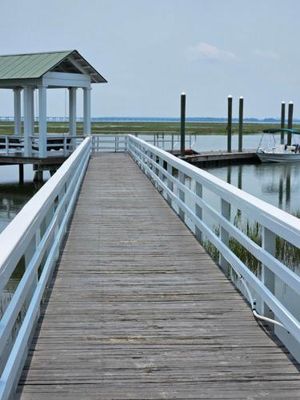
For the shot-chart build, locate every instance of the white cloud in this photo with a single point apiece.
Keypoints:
(206, 51)
(269, 54)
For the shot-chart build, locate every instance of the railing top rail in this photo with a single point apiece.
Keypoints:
(15, 232)
(279, 221)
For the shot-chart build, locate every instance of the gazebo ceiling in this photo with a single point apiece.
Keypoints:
(36, 65)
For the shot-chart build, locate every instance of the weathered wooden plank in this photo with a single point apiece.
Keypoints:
(138, 310)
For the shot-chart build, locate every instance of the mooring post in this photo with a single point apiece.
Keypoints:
(240, 177)
(229, 124)
(282, 124)
(290, 122)
(182, 123)
(241, 118)
(21, 173)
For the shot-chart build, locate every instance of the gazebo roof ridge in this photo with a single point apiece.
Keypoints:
(36, 65)
(37, 52)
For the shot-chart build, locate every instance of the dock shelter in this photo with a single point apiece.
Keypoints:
(41, 71)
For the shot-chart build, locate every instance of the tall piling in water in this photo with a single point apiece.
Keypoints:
(282, 123)
(182, 123)
(229, 123)
(241, 121)
(290, 122)
(21, 173)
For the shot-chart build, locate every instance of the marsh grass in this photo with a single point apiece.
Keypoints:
(285, 251)
(170, 128)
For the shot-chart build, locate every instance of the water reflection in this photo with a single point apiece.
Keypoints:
(277, 184)
(12, 198)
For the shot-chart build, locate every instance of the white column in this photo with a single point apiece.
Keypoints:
(17, 111)
(87, 111)
(72, 111)
(28, 98)
(32, 110)
(42, 121)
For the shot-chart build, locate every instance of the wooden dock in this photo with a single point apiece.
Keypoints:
(138, 310)
(15, 160)
(222, 158)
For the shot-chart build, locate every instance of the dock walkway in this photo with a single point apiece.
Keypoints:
(138, 310)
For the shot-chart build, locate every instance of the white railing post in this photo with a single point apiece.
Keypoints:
(170, 183)
(198, 210)
(181, 194)
(267, 276)
(160, 173)
(224, 235)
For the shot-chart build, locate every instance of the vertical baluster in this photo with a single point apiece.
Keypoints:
(65, 145)
(181, 194)
(37, 242)
(31, 249)
(160, 173)
(170, 183)
(267, 276)
(198, 210)
(224, 235)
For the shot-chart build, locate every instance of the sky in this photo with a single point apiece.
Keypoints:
(152, 50)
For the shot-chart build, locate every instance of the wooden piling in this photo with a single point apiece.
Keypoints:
(21, 173)
(240, 176)
(241, 120)
(290, 122)
(182, 123)
(282, 124)
(229, 123)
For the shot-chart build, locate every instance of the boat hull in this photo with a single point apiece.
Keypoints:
(278, 157)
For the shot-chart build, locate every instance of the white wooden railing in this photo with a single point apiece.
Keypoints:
(11, 145)
(274, 293)
(64, 144)
(118, 142)
(109, 143)
(34, 237)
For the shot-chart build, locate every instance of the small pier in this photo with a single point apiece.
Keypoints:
(119, 298)
(221, 158)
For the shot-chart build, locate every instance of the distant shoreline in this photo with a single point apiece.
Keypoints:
(219, 120)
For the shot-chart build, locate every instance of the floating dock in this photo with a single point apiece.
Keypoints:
(220, 158)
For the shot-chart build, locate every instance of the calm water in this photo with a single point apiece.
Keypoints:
(12, 195)
(278, 184)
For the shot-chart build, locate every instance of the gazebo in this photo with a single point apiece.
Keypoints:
(42, 71)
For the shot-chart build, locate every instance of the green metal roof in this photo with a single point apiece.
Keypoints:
(35, 65)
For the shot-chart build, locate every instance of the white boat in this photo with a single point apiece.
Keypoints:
(279, 152)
